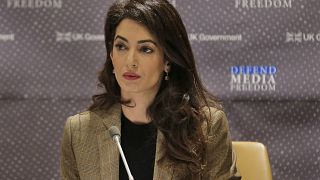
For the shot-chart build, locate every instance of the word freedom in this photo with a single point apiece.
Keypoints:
(263, 4)
(34, 3)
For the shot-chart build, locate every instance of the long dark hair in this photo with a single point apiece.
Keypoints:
(177, 108)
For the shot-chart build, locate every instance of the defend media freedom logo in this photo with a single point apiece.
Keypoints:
(252, 4)
(253, 78)
(34, 3)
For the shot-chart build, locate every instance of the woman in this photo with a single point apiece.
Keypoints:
(154, 95)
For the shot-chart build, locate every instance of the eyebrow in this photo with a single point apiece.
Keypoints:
(139, 42)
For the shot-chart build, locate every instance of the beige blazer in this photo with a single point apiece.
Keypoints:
(88, 152)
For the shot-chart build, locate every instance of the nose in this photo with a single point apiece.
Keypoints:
(132, 59)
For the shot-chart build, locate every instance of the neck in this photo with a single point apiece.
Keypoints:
(140, 102)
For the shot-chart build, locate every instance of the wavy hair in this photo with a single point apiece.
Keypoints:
(177, 108)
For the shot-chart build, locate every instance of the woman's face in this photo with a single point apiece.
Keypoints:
(137, 59)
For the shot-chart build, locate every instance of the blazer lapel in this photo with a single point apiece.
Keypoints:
(159, 172)
(108, 151)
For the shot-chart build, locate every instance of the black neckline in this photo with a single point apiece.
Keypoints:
(128, 121)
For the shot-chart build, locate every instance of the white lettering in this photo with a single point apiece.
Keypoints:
(77, 36)
(253, 4)
(287, 3)
(246, 78)
(57, 3)
(277, 3)
(236, 79)
(69, 36)
(193, 37)
(23, 2)
(47, 3)
(263, 4)
(308, 37)
(272, 87)
(94, 37)
(263, 78)
(268, 3)
(318, 37)
(245, 4)
(173, 2)
(260, 3)
(6, 37)
(238, 2)
(38, 3)
(34, 3)
(253, 87)
(252, 82)
(256, 79)
(252, 79)
(30, 3)
(271, 80)
(206, 37)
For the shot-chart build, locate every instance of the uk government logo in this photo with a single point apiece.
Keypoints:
(34, 3)
(299, 37)
(253, 78)
(6, 37)
(252, 4)
(210, 37)
(74, 37)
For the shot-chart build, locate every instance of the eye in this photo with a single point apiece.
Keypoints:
(120, 46)
(146, 50)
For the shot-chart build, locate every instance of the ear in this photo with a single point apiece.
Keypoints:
(167, 66)
(111, 56)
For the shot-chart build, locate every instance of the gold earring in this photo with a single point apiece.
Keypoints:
(167, 76)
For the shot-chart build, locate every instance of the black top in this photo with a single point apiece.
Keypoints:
(138, 142)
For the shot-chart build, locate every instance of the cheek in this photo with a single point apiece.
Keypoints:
(117, 62)
(154, 70)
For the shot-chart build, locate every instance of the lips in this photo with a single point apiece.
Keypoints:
(131, 76)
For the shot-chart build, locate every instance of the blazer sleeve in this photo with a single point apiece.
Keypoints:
(219, 147)
(68, 166)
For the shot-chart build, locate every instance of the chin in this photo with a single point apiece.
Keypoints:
(130, 89)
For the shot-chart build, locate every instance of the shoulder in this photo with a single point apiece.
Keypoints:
(216, 120)
(77, 121)
(219, 146)
(213, 113)
(83, 116)
(92, 119)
